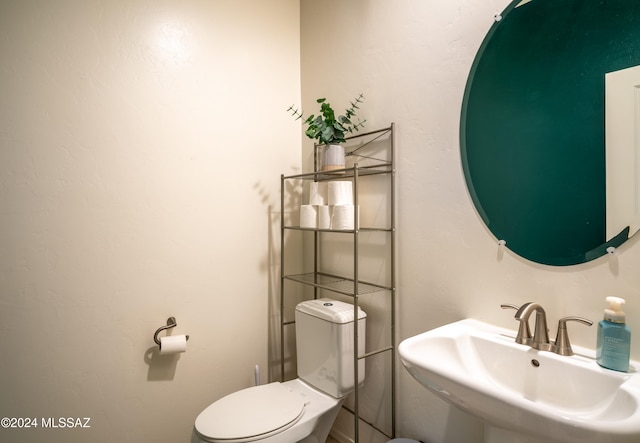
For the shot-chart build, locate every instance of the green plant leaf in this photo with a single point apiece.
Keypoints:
(327, 133)
(325, 127)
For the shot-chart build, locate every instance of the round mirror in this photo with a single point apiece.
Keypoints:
(533, 127)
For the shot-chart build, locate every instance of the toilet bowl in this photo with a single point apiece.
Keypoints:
(301, 410)
(277, 412)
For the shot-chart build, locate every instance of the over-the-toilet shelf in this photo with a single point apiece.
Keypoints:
(347, 217)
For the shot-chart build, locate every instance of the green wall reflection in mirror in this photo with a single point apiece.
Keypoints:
(533, 124)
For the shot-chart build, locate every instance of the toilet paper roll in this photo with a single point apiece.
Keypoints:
(308, 216)
(324, 217)
(343, 217)
(318, 193)
(340, 192)
(173, 344)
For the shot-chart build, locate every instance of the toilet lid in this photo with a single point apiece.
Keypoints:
(251, 412)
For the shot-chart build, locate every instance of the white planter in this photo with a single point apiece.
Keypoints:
(332, 157)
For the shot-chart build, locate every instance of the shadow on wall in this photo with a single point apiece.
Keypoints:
(162, 367)
(293, 199)
(462, 427)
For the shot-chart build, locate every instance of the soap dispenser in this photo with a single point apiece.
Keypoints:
(614, 337)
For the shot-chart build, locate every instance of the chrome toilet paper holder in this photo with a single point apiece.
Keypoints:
(171, 323)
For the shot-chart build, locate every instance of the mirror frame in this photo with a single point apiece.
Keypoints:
(532, 135)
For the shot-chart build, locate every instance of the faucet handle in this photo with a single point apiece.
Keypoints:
(524, 333)
(562, 345)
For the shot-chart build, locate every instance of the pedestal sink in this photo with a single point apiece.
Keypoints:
(520, 391)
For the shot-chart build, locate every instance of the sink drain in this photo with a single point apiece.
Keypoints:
(535, 363)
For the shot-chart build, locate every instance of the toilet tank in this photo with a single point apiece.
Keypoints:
(324, 345)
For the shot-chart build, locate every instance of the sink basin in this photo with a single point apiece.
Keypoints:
(480, 369)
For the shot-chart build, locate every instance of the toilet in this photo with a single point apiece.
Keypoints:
(301, 410)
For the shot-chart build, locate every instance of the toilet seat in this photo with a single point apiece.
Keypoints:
(250, 414)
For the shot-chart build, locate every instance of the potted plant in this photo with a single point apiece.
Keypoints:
(329, 130)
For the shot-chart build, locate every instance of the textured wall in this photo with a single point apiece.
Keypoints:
(117, 208)
(411, 59)
(141, 144)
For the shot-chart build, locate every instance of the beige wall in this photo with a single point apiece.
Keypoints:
(411, 59)
(120, 207)
(141, 143)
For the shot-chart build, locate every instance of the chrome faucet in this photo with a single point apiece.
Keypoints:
(540, 338)
(562, 345)
(524, 332)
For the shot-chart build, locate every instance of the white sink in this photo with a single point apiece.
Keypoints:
(480, 369)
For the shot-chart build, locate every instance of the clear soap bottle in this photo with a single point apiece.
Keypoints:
(614, 337)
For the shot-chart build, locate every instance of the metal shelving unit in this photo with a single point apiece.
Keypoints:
(371, 162)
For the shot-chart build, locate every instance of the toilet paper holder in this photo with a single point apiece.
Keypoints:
(171, 323)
